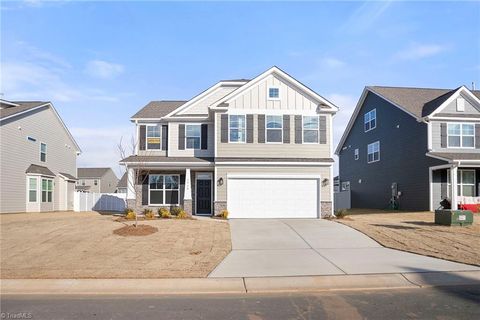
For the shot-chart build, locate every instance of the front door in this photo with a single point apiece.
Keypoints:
(204, 196)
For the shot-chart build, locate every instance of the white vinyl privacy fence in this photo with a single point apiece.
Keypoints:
(84, 201)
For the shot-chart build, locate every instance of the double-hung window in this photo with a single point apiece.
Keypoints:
(370, 120)
(32, 189)
(237, 131)
(273, 93)
(357, 155)
(153, 138)
(465, 183)
(164, 189)
(43, 152)
(193, 136)
(373, 152)
(461, 135)
(310, 129)
(47, 190)
(274, 128)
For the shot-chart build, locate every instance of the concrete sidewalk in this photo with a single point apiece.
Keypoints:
(236, 285)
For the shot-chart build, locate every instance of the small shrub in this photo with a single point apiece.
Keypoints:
(148, 213)
(175, 211)
(342, 213)
(223, 214)
(127, 210)
(164, 213)
(131, 215)
(182, 215)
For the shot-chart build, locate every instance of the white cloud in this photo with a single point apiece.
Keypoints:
(332, 62)
(103, 69)
(365, 16)
(420, 51)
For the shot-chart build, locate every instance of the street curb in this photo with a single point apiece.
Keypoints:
(237, 285)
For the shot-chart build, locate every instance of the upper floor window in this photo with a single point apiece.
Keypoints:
(193, 136)
(461, 135)
(357, 154)
(153, 137)
(310, 129)
(237, 131)
(373, 152)
(274, 128)
(370, 120)
(273, 93)
(43, 152)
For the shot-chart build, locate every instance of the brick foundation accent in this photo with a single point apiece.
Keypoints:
(326, 208)
(218, 206)
(187, 206)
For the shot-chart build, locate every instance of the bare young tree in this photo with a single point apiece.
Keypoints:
(140, 172)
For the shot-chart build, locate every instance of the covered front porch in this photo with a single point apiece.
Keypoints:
(170, 182)
(458, 183)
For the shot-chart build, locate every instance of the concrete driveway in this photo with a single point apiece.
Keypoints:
(301, 247)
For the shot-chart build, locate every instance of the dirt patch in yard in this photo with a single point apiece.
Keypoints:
(139, 230)
(82, 245)
(416, 232)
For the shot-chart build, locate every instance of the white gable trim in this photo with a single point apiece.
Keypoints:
(9, 103)
(275, 71)
(354, 116)
(191, 103)
(453, 97)
(48, 104)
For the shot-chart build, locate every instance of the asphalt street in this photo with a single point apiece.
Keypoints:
(460, 302)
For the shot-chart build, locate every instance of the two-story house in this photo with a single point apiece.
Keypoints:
(96, 180)
(37, 159)
(261, 148)
(411, 148)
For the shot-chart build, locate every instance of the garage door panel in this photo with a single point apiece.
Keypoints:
(272, 198)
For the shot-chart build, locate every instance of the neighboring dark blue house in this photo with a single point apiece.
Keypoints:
(412, 147)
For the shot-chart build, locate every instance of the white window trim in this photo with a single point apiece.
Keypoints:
(146, 136)
(461, 135)
(245, 121)
(46, 151)
(281, 129)
(268, 93)
(371, 128)
(52, 191)
(36, 189)
(318, 131)
(164, 204)
(200, 144)
(356, 154)
(460, 183)
(378, 151)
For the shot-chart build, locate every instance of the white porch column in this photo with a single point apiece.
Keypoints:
(188, 186)
(130, 184)
(453, 183)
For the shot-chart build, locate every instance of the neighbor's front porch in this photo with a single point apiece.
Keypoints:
(458, 184)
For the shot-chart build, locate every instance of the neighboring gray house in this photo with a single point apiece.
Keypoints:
(96, 180)
(37, 158)
(261, 148)
(122, 184)
(414, 146)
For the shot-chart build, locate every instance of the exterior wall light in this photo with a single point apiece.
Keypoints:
(220, 181)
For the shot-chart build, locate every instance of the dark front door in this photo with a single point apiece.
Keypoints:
(204, 196)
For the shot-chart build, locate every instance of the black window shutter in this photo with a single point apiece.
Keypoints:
(144, 182)
(204, 136)
(286, 129)
(249, 128)
(181, 137)
(224, 128)
(443, 135)
(142, 138)
(164, 137)
(298, 129)
(261, 128)
(477, 136)
(322, 125)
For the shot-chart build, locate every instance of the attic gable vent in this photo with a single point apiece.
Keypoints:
(460, 104)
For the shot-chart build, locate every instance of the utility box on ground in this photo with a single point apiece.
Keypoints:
(453, 217)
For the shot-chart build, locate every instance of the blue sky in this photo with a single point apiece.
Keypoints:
(99, 62)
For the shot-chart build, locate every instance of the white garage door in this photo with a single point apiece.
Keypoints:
(273, 197)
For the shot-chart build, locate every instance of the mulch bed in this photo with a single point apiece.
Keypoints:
(139, 230)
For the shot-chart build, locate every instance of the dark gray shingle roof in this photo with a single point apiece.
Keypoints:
(157, 109)
(69, 176)
(148, 159)
(36, 169)
(8, 110)
(91, 172)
